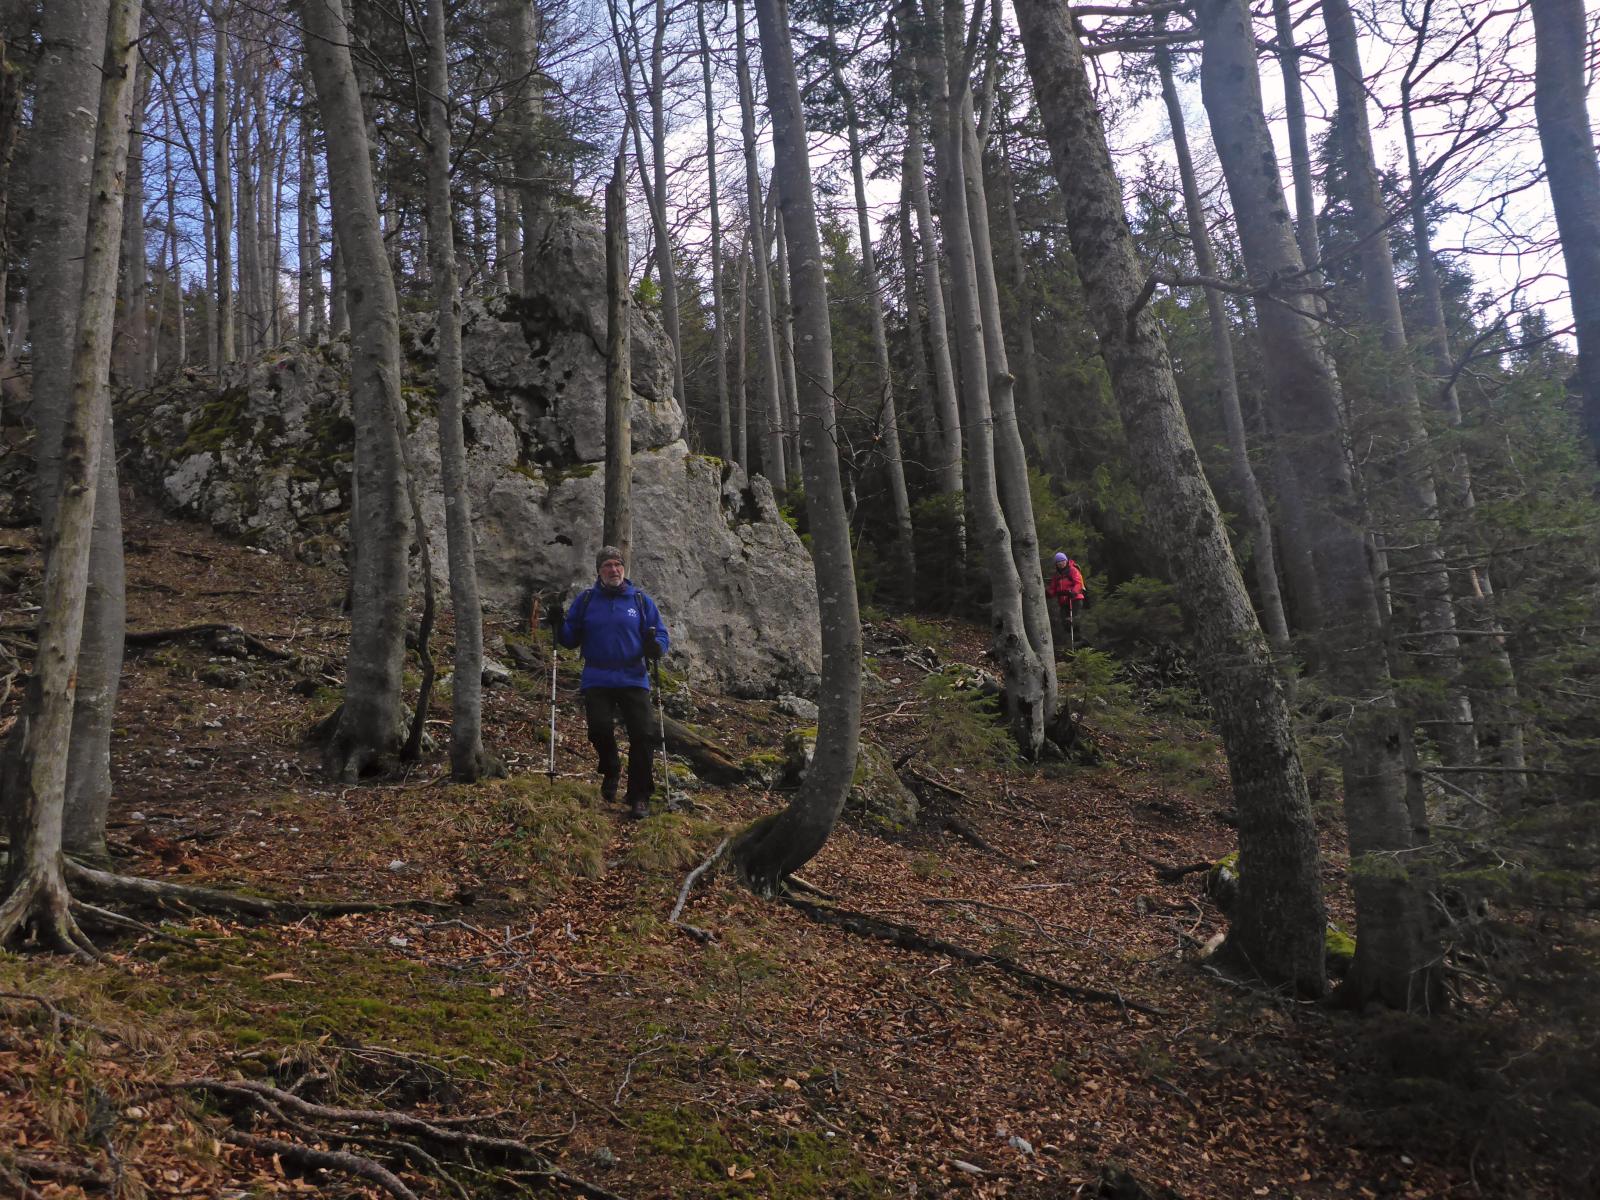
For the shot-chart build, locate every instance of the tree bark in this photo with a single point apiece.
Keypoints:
(370, 724)
(1294, 111)
(783, 314)
(1023, 673)
(1265, 557)
(775, 846)
(766, 348)
(887, 420)
(1560, 102)
(468, 761)
(1397, 959)
(35, 773)
(222, 184)
(1279, 920)
(719, 307)
(947, 466)
(132, 351)
(617, 527)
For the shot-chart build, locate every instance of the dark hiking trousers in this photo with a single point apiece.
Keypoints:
(603, 706)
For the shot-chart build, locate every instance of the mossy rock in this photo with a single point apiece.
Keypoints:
(1338, 951)
(876, 794)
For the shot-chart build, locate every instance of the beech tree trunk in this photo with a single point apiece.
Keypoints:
(370, 727)
(66, 104)
(783, 307)
(1560, 101)
(1023, 673)
(770, 849)
(618, 519)
(1011, 460)
(1294, 112)
(468, 761)
(222, 184)
(131, 354)
(36, 767)
(1397, 958)
(719, 307)
(947, 467)
(766, 348)
(1279, 921)
(1265, 557)
(888, 422)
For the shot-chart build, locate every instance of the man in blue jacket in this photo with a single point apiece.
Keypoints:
(620, 634)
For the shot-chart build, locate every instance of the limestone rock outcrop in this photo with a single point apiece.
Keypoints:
(266, 456)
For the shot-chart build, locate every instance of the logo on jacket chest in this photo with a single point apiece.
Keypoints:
(633, 612)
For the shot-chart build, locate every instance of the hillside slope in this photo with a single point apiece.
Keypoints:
(549, 999)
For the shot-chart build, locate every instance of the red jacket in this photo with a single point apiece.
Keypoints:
(1066, 584)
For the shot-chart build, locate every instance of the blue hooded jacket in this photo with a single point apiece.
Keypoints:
(607, 628)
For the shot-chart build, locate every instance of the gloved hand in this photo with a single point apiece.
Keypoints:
(652, 648)
(556, 613)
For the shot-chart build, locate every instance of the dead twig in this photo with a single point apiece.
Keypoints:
(327, 1160)
(694, 931)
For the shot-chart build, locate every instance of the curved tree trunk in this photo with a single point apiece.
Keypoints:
(35, 772)
(1396, 955)
(1021, 669)
(370, 724)
(1560, 101)
(772, 848)
(1265, 557)
(1279, 920)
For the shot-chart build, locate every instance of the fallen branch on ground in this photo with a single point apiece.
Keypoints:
(694, 931)
(327, 1160)
(909, 938)
(1171, 874)
(143, 639)
(38, 1168)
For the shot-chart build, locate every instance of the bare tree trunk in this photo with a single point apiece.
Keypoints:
(1011, 462)
(244, 171)
(222, 184)
(1023, 673)
(1265, 556)
(1031, 393)
(741, 440)
(1396, 958)
(772, 451)
(468, 761)
(770, 849)
(36, 768)
(618, 519)
(130, 354)
(371, 723)
(927, 443)
(1561, 104)
(719, 308)
(947, 464)
(665, 256)
(1413, 465)
(887, 421)
(784, 312)
(1294, 106)
(525, 106)
(338, 303)
(1279, 925)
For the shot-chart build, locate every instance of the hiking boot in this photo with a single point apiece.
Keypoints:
(608, 788)
(639, 809)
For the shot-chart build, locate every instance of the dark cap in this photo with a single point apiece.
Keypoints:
(605, 554)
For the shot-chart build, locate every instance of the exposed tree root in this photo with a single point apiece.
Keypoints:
(41, 906)
(906, 936)
(350, 1124)
(163, 896)
(38, 1168)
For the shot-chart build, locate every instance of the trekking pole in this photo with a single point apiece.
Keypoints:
(1072, 625)
(550, 766)
(661, 722)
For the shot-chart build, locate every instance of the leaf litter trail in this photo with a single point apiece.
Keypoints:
(787, 1058)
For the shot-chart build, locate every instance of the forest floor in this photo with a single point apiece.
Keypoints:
(550, 995)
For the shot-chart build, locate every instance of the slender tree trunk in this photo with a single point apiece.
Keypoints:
(1023, 673)
(888, 422)
(468, 761)
(525, 106)
(719, 308)
(1279, 922)
(1413, 465)
(222, 184)
(133, 331)
(1560, 101)
(339, 308)
(371, 724)
(775, 846)
(1294, 109)
(1265, 556)
(1396, 958)
(1011, 461)
(947, 467)
(618, 520)
(665, 256)
(249, 306)
(766, 349)
(36, 768)
(1031, 393)
(926, 447)
(741, 440)
(789, 431)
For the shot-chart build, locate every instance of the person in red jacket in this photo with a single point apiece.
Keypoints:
(1065, 587)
